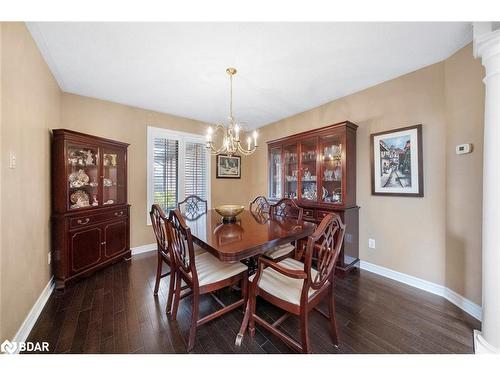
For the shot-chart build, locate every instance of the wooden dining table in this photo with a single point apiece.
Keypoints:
(245, 239)
(249, 236)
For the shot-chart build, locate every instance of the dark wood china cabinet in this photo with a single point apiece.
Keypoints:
(90, 213)
(317, 169)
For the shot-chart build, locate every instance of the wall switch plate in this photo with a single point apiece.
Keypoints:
(466, 148)
(49, 257)
(371, 243)
(12, 160)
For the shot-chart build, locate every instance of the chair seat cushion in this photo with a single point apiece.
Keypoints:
(211, 270)
(283, 287)
(279, 251)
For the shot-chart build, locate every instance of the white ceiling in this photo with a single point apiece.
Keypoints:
(283, 68)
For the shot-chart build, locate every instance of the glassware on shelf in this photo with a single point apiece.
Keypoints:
(308, 171)
(291, 170)
(331, 165)
(113, 191)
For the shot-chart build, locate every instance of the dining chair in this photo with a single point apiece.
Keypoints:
(202, 274)
(259, 205)
(193, 207)
(158, 221)
(297, 287)
(284, 208)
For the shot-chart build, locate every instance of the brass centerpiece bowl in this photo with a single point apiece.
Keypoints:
(229, 212)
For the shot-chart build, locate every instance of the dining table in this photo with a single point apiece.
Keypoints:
(245, 239)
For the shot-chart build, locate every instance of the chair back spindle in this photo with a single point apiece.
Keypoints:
(192, 207)
(158, 219)
(325, 242)
(286, 208)
(181, 244)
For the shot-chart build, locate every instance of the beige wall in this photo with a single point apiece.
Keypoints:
(30, 107)
(464, 92)
(412, 233)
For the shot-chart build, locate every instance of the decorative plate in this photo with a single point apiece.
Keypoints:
(79, 195)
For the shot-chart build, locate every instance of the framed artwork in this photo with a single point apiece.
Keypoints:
(228, 166)
(396, 162)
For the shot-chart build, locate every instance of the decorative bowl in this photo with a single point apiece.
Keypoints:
(229, 212)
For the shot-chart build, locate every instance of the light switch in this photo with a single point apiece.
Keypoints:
(371, 243)
(12, 160)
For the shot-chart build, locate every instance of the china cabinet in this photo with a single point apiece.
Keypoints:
(90, 214)
(317, 169)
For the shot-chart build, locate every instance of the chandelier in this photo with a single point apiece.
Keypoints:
(231, 143)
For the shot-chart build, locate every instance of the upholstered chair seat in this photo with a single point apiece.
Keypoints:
(281, 286)
(211, 270)
(279, 251)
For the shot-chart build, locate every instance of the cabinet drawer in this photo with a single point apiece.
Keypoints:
(309, 214)
(80, 221)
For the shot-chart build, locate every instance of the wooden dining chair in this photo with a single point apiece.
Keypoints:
(158, 221)
(284, 208)
(193, 207)
(259, 205)
(203, 274)
(297, 287)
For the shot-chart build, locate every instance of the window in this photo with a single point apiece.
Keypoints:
(178, 166)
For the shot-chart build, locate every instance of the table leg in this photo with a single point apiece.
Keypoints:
(244, 325)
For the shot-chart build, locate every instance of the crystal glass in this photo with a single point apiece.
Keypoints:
(291, 170)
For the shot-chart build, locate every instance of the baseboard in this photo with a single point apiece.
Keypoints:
(463, 303)
(28, 324)
(143, 248)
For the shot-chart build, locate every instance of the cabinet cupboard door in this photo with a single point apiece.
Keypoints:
(115, 238)
(84, 248)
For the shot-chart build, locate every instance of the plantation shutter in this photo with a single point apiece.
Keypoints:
(165, 173)
(195, 175)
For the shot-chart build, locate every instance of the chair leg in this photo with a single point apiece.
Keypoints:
(177, 297)
(304, 331)
(194, 320)
(171, 290)
(333, 321)
(158, 274)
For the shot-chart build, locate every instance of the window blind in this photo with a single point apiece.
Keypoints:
(195, 175)
(165, 172)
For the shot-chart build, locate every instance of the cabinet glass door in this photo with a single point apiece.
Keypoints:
(331, 168)
(275, 173)
(83, 176)
(291, 170)
(308, 175)
(113, 181)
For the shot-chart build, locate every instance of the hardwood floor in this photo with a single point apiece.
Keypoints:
(114, 311)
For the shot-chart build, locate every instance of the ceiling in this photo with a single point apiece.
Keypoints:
(283, 68)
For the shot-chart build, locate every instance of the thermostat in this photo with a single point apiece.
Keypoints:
(466, 148)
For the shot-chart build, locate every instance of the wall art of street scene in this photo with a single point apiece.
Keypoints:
(396, 157)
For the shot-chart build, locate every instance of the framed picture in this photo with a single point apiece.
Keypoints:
(396, 162)
(228, 166)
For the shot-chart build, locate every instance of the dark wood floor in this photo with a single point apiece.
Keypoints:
(114, 311)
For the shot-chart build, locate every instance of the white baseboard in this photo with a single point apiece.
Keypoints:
(28, 324)
(466, 305)
(143, 248)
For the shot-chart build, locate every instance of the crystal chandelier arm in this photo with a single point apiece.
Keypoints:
(246, 152)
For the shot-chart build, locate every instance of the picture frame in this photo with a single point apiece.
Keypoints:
(228, 166)
(397, 162)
